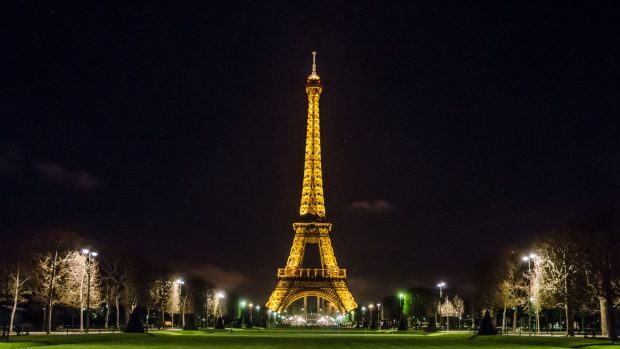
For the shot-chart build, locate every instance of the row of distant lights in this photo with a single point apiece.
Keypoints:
(299, 318)
(89, 252)
(441, 284)
(243, 303)
(370, 306)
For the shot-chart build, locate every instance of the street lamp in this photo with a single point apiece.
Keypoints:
(89, 254)
(242, 304)
(441, 285)
(258, 313)
(400, 303)
(363, 315)
(370, 306)
(379, 315)
(220, 296)
(528, 259)
(251, 311)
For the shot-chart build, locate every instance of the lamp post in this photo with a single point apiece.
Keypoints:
(400, 305)
(528, 259)
(363, 315)
(370, 306)
(258, 314)
(379, 315)
(251, 311)
(220, 296)
(441, 285)
(242, 305)
(89, 254)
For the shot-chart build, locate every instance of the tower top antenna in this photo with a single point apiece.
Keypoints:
(313, 63)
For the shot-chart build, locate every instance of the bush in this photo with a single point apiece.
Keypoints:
(432, 326)
(486, 326)
(134, 325)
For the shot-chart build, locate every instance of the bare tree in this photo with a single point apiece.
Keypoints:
(19, 287)
(73, 291)
(538, 297)
(512, 290)
(451, 308)
(51, 257)
(118, 288)
(561, 265)
(50, 273)
(160, 293)
(601, 243)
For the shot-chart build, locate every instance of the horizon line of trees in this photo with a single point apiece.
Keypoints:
(573, 268)
(51, 273)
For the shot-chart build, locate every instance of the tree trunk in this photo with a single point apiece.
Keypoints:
(15, 296)
(570, 319)
(514, 320)
(50, 295)
(504, 321)
(183, 315)
(604, 317)
(127, 314)
(148, 315)
(570, 316)
(107, 314)
(82, 304)
(118, 313)
(537, 322)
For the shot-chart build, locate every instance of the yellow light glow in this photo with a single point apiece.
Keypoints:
(295, 282)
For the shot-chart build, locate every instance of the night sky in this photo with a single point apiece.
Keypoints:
(450, 131)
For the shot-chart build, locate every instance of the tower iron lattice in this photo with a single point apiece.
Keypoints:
(294, 281)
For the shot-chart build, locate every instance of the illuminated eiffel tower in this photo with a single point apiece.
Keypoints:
(295, 282)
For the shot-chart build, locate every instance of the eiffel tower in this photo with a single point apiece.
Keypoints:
(294, 281)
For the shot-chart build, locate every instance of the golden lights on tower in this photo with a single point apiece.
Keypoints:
(294, 281)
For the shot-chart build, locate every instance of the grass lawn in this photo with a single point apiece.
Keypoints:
(293, 339)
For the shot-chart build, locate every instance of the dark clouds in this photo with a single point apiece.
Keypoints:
(375, 205)
(59, 173)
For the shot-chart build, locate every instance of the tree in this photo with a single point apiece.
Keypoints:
(512, 290)
(600, 240)
(74, 291)
(175, 300)
(451, 308)
(458, 306)
(50, 273)
(118, 288)
(51, 266)
(561, 266)
(19, 287)
(537, 295)
(160, 292)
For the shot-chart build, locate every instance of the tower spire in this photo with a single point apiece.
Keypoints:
(313, 63)
(312, 203)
